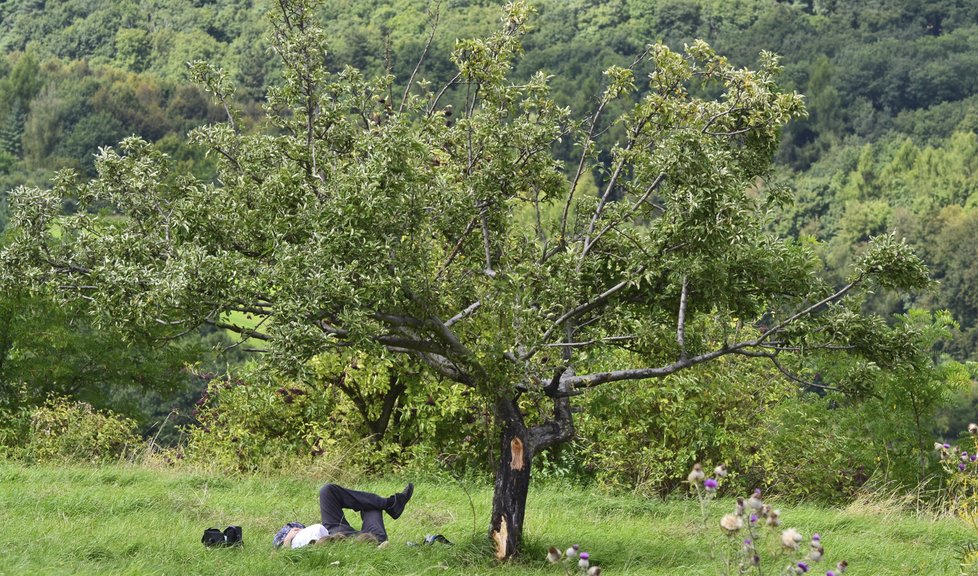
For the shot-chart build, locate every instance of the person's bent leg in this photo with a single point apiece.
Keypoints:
(339, 498)
(373, 524)
(333, 499)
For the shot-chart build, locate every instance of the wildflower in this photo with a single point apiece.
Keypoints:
(553, 555)
(772, 517)
(731, 523)
(753, 518)
(755, 501)
(697, 475)
(790, 539)
(938, 446)
(594, 571)
(801, 568)
(816, 538)
(973, 429)
(946, 446)
(720, 471)
(961, 466)
(830, 573)
(842, 566)
(710, 484)
(583, 562)
(748, 543)
(571, 552)
(974, 457)
(816, 554)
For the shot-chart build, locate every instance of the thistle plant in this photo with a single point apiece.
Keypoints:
(961, 468)
(754, 542)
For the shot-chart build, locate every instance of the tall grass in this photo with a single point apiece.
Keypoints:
(124, 519)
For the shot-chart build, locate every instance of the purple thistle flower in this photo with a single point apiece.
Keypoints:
(748, 542)
(816, 537)
(753, 518)
(830, 573)
(961, 466)
(710, 484)
(585, 555)
(802, 567)
(974, 457)
(947, 446)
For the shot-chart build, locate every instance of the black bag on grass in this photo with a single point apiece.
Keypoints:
(215, 538)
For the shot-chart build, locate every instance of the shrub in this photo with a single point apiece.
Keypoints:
(62, 430)
(736, 411)
(256, 421)
(15, 425)
(262, 420)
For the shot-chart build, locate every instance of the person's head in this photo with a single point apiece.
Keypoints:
(285, 535)
(288, 537)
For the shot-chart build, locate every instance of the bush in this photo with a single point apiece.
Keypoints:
(15, 425)
(736, 411)
(256, 422)
(62, 430)
(261, 421)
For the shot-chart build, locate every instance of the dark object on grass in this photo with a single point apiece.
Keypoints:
(431, 539)
(216, 538)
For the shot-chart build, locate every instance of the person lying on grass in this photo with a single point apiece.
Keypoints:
(333, 499)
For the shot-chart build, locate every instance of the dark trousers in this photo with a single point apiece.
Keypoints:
(333, 499)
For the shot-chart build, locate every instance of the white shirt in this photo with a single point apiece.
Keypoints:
(308, 535)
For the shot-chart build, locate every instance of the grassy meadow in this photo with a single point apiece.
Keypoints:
(121, 519)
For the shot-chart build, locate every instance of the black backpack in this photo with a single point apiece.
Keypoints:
(215, 538)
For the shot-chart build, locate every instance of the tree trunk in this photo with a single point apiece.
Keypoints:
(512, 480)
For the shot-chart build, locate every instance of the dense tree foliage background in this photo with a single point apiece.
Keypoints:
(889, 145)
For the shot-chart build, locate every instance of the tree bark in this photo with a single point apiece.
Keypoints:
(512, 480)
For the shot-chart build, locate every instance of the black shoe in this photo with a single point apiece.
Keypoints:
(399, 500)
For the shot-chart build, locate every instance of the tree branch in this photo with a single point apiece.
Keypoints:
(458, 246)
(434, 17)
(827, 300)
(645, 196)
(468, 311)
(742, 348)
(249, 332)
(681, 323)
(587, 306)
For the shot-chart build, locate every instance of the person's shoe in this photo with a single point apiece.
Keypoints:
(396, 503)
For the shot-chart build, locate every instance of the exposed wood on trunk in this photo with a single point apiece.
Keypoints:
(516, 448)
(500, 537)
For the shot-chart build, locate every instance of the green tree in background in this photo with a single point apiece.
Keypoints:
(48, 349)
(372, 218)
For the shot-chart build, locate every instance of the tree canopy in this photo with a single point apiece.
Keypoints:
(367, 215)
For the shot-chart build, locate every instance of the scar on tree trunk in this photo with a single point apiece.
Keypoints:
(516, 448)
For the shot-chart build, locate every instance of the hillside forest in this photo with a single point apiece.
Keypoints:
(888, 148)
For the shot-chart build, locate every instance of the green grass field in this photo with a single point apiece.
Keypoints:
(136, 520)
